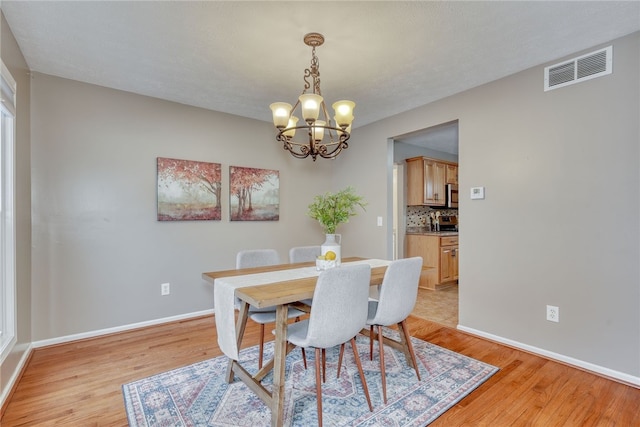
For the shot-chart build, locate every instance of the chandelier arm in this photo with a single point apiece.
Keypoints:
(294, 107)
(326, 126)
(341, 138)
(327, 150)
(303, 153)
(333, 153)
(328, 121)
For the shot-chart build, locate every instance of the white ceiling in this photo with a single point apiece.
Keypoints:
(239, 56)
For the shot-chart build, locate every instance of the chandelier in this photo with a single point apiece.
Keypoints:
(319, 135)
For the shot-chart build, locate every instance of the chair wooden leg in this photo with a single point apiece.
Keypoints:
(261, 351)
(403, 327)
(362, 378)
(324, 365)
(340, 359)
(371, 343)
(383, 374)
(318, 388)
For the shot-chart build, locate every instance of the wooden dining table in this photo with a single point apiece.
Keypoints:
(279, 293)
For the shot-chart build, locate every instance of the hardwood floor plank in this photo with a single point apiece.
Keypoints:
(79, 383)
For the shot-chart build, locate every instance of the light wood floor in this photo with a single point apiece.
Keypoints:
(79, 384)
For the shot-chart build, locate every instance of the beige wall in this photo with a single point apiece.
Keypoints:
(99, 255)
(17, 66)
(560, 222)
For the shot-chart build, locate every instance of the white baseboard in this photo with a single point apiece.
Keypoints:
(26, 352)
(93, 334)
(621, 376)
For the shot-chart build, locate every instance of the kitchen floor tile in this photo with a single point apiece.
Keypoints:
(439, 306)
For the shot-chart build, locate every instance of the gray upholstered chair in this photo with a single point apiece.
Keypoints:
(261, 258)
(398, 294)
(304, 254)
(339, 312)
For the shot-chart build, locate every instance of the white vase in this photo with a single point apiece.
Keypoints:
(332, 243)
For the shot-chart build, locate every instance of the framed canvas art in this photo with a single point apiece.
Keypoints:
(188, 190)
(254, 194)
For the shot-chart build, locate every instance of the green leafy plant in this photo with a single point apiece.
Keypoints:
(333, 209)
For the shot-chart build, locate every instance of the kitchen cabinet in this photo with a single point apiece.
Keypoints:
(426, 181)
(448, 259)
(451, 174)
(435, 192)
(440, 253)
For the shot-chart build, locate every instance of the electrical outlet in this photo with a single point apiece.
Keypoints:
(165, 289)
(553, 313)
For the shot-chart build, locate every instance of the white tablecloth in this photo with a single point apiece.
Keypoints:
(224, 297)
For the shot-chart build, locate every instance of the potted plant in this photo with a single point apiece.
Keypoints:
(331, 210)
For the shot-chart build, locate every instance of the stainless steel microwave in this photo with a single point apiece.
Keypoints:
(452, 195)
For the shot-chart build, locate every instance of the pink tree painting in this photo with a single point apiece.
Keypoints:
(188, 190)
(254, 194)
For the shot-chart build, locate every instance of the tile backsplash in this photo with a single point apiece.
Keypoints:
(418, 216)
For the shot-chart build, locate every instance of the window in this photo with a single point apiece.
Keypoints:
(7, 218)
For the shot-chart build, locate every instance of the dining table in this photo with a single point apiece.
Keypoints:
(277, 285)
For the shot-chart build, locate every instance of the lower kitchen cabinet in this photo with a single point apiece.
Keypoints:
(448, 263)
(438, 252)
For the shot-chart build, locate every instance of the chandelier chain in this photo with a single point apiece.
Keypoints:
(314, 72)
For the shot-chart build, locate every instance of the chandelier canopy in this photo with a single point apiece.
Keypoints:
(324, 137)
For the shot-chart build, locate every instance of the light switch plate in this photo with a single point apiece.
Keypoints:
(477, 193)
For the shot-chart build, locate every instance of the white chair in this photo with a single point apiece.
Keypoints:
(339, 312)
(398, 294)
(261, 258)
(304, 254)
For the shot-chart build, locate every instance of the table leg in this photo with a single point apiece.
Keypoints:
(280, 353)
(241, 324)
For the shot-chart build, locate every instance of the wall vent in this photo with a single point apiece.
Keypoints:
(576, 70)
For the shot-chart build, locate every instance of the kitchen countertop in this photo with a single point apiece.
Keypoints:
(425, 232)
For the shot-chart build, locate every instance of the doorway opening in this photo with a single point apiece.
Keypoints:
(438, 142)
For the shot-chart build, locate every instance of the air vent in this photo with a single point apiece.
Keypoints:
(576, 70)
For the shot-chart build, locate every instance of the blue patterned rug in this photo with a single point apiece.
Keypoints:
(197, 395)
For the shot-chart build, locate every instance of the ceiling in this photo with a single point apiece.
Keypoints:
(239, 56)
(442, 137)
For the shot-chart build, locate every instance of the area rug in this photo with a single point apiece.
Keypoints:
(198, 395)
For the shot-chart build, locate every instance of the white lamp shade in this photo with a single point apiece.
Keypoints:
(348, 129)
(281, 112)
(344, 112)
(291, 131)
(318, 130)
(310, 103)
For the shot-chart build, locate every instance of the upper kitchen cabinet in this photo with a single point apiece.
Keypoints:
(452, 174)
(427, 179)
